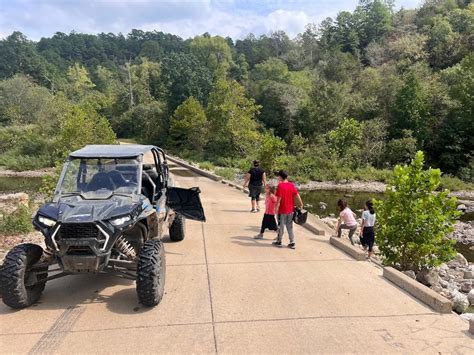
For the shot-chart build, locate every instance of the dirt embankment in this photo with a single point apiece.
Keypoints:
(27, 173)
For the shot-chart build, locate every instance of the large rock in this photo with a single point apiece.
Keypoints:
(428, 277)
(410, 273)
(470, 297)
(458, 261)
(466, 286)
(467, 316)
(469, 274)
(460, 302)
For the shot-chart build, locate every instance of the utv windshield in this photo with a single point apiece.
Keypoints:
(100, 178)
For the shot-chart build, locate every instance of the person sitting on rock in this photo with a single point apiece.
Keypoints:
(347, 220)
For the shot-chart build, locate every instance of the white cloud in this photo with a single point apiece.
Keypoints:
(292, 22)
(186, 18)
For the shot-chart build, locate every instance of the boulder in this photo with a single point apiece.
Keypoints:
(458, 261)
(443, 283)
(466, 286)
(470, 297)
(467, 316)
(410, 273)
(460, 302)
(469, 274)
(462, 207)
(428, 277)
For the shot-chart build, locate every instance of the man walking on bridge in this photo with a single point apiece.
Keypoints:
(285, 206)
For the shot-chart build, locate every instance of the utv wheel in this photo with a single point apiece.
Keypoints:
(151, 270)
(20, 286)
(177, 228)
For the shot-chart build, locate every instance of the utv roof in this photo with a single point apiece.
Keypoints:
(111, 151)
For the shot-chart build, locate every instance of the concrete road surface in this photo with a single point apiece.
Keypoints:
(229, 293)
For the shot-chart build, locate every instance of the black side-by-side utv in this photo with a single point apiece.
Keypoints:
(107, 215)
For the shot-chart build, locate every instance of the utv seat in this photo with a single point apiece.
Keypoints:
(100, 181)
(117, 178)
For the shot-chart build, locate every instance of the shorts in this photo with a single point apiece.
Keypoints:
(254, 192)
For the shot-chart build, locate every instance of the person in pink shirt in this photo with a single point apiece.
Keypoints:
(269, 221)
(347, 220)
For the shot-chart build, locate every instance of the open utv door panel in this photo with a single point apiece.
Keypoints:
(186, 202)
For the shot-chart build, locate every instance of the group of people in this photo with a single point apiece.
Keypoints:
(280, 201)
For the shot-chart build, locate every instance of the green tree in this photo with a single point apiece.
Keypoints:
(413, 221)
(400, 150)
(145, 122)
(80, 83)
(271, 149)
(188, 126)
(281, 104)
(81, 126)
(213, 52)
(345, 138)
(232, 125)
(184, 76)
(145, 81)
(327, 105)
(24, 102)
(455, 147)
(411, 110)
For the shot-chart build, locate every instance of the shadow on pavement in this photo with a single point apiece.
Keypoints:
(251, 242)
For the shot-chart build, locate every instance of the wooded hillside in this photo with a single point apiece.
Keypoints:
(348, 97)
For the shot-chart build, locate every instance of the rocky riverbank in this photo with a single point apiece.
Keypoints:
(453, 280)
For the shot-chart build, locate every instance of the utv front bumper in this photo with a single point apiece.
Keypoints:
(82, 247)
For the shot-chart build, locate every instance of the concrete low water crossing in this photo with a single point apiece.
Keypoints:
(229, 293)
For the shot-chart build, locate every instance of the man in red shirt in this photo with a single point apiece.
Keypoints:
(285, 206)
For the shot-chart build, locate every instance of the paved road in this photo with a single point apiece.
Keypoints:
(228, 293)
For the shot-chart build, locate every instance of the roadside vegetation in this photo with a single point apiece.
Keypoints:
(347, 99)
(412, 221)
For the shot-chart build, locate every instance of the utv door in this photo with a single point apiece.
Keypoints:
(186, 202)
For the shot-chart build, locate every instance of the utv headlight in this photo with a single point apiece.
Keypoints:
(46, 221)
(120, 221)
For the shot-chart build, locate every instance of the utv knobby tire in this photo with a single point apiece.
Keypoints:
(151, 270)
(177, 228)
(15, 272)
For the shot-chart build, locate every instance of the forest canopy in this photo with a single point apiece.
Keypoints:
(347, 98)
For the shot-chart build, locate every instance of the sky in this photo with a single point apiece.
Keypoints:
(186, 18)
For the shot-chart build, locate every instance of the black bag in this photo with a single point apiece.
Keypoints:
(300, 216)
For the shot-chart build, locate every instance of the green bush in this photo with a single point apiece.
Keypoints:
(24, 162)
(455, 184)
(17, 222)
(413, 221)
(226, 173)
(206, 165)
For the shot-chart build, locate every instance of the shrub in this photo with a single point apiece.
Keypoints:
(226, 173)
(455, 184)
(16, 222)
(206, 165)
(413, 221)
